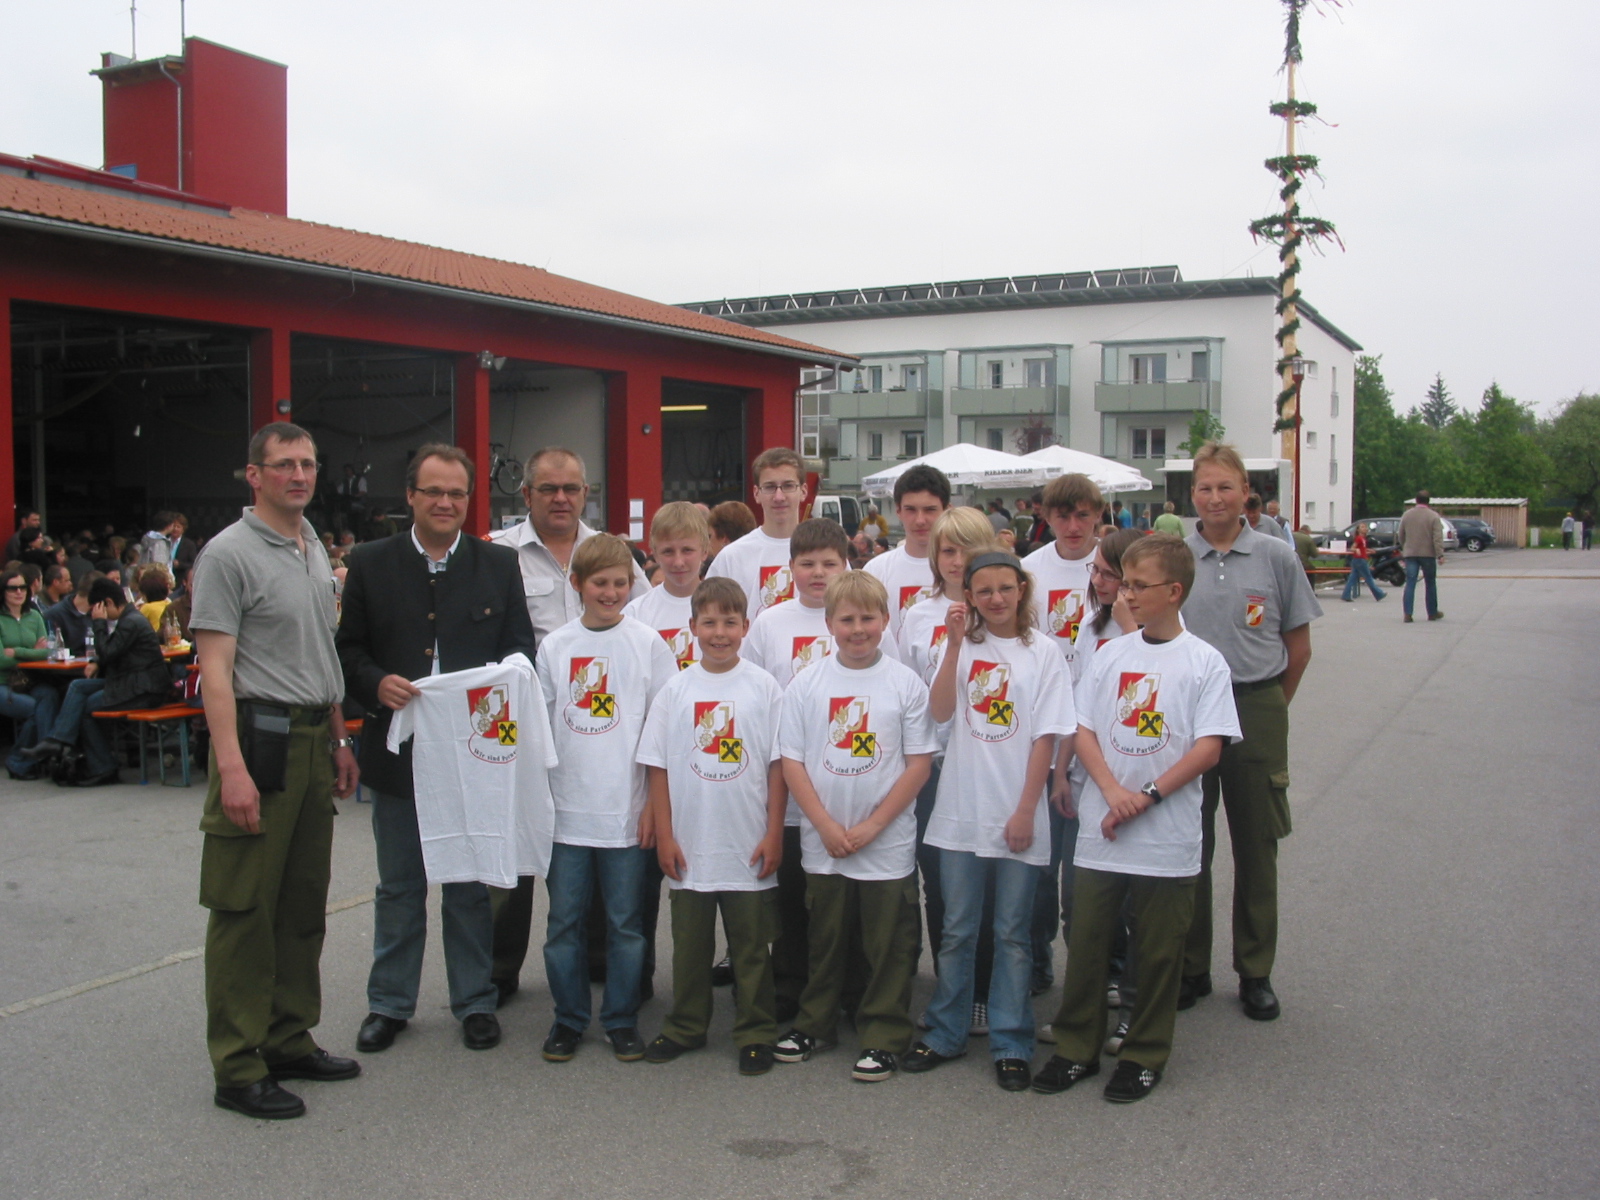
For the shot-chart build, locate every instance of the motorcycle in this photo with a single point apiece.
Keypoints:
(1388, 565)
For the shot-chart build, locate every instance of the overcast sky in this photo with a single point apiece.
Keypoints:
(695, 149)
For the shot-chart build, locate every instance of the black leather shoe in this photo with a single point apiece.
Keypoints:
(1012, 1074)
(43, 748)
(101, 780)
(1192, 987)
(318, 1065)
(1259, 1000)
(562, 1044)
(1059, 1074)
(923, 1057)
(377, 1033)
(506, 988)
(480, 1031)
(626, 1044)
(263, 1099)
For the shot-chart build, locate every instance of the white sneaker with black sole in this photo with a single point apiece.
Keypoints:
(874, 1066)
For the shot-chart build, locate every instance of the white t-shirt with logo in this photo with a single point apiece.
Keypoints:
(1088, 642)
(669, 616)
(716, 735)
(760, 565)
(908, 580)
(852, 729)
(922, 643)
(1060, 597)
(1009, 693)
(598, 684)
(1147, 705)
(480, 759)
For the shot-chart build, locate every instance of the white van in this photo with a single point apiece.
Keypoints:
(842, 510)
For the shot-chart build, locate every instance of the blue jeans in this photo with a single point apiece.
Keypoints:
(962, 875)
(1426, 567)
(1361, 572)
(34, 711)
(574, 870)
(74, 722)
(400, 923)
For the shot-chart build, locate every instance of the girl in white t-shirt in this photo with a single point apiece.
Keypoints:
(1009, 697)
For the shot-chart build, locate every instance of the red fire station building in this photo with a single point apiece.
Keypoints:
(161, 308)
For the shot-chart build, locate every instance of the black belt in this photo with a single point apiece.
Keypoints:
(1259, 685)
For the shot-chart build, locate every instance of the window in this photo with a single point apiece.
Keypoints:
(1311, 439)
(911, 377)
(1200, 365)
(997, 437)
(874, 379)
(1148, 368)
(912, 442)
(1333, 458)
(874, 445)
(997, 374)
(1333, 393)
(1150, 443)
(1039, 372)
(1311, 511)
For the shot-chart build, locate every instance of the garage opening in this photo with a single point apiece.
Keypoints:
(702, 442)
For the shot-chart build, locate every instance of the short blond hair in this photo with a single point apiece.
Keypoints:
(600, 553)
(858, 588)
(777, 456)
(1170, 553)
(967, 528)
(680, 519)
(1221, 454)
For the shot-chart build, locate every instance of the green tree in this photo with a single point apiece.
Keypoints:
(1203, 427)
(1571, 441)
(1439, 406)
(1503, 457)
(1390, 454)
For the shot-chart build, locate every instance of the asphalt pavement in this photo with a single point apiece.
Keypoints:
(1441, 911)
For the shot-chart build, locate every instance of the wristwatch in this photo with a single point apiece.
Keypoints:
(343, 743)
(1151, 790)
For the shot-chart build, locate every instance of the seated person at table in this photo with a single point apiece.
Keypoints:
(156, 589)
(70, 617)
(130, 673)
(22, 639)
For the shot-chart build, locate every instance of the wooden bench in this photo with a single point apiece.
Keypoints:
(163, 722)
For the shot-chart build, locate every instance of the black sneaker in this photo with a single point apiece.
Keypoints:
(722, 973)
(562, 1044)
(1191, 988)
(1259, 1000)
(1012, 1074)
(923, 1057)
(796, 1046)
(1059, 1074)
(1130, 1082)
(874, 1066)
(1118, 1036)
(664, 1050)
(755, 1059)
(626, 1044)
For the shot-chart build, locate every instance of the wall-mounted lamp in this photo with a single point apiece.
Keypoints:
(490, 361)
(647, 430)
(283, 406)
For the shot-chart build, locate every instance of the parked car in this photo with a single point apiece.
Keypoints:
(1474, 533)
(1381, 532)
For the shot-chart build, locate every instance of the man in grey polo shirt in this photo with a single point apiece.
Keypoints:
(263, 624)
(555, 487)
(1251, 601)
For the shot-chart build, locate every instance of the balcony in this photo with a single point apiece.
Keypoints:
(1008, 401)
(1178, 396)
(871, 406)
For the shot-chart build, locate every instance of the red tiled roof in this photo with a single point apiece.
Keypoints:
(297, 241)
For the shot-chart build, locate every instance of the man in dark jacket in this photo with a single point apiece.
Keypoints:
(421, 603)
(130, 673)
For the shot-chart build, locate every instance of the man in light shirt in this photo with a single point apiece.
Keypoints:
(759, 561)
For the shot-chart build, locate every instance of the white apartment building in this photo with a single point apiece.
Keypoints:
(1112, 362)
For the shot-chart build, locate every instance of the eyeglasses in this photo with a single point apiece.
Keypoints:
(1139, 589)
(570, 490)
(286, 466)
(788, 487)
(454, 495)
(1099, 572)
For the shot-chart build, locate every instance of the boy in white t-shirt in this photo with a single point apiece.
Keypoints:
(921, 496)
(759, 561)
(599, 674)
(716, 800)
(857, 744)
(785, 640)
(1154, 712)
(680, 539)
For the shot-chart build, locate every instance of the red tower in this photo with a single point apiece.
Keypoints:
(213, 122)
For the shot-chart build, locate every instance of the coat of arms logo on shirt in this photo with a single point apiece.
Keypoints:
(991, 712)
(777, 585)
(591, 705)
(494, 727)
(852, 744)
(1255, 610)
(808, 651)
(1141, 728)
(719, 752)
(938, 640)
(681, 643)
(911, 595)
(1064, 613)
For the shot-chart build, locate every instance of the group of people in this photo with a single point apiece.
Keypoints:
(784, 741)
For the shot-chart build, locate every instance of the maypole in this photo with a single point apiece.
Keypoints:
(1289, 231)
